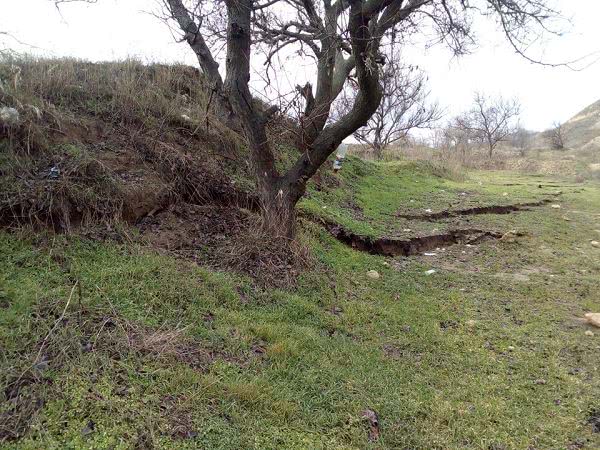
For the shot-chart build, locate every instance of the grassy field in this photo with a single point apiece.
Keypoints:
(367, 197)
(111, 345)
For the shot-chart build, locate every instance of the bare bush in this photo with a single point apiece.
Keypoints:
(456, 140)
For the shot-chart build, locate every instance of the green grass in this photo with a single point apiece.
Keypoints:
(295, 368)
(367, 195)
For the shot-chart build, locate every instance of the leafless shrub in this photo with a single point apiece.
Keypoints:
(270, 260)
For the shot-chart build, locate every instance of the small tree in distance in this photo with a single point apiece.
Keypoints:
(521, 140)
(403, 106)
(557, 136)
(490, 121)
(455, 139)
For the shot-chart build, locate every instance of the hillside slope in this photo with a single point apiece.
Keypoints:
(110, 141)
(581, 131)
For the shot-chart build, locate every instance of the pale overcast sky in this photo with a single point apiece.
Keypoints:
(117, 29)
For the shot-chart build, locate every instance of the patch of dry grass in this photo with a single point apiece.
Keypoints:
(577, 164)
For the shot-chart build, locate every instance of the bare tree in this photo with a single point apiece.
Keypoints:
(521, 140)
(490, 121)
(557, 136)
(345, 39)
(403, 107)
(455, 139)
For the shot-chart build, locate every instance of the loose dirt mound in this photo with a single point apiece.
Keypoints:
(193, 231)
(224, 237)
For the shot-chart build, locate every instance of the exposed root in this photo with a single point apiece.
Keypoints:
(492, 209)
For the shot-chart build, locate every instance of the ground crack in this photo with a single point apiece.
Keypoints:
(476, 210)
(411, 246)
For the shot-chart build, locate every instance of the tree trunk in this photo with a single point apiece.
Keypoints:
(279, 194)
(377, 151)
(278, 208)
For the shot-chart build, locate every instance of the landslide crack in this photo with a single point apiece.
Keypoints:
(476, 210)
(411, 246)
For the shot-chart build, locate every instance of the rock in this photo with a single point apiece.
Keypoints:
(509, 236)
(9, 116)
(336, 310)
(471, 323)
(373, 274)
(593, 319)
(555, 206)
(42, 364)
(87, 347)
(191, 434)
(595, 244)
(589, 333)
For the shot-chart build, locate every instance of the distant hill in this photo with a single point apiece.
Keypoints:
(582, 131)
